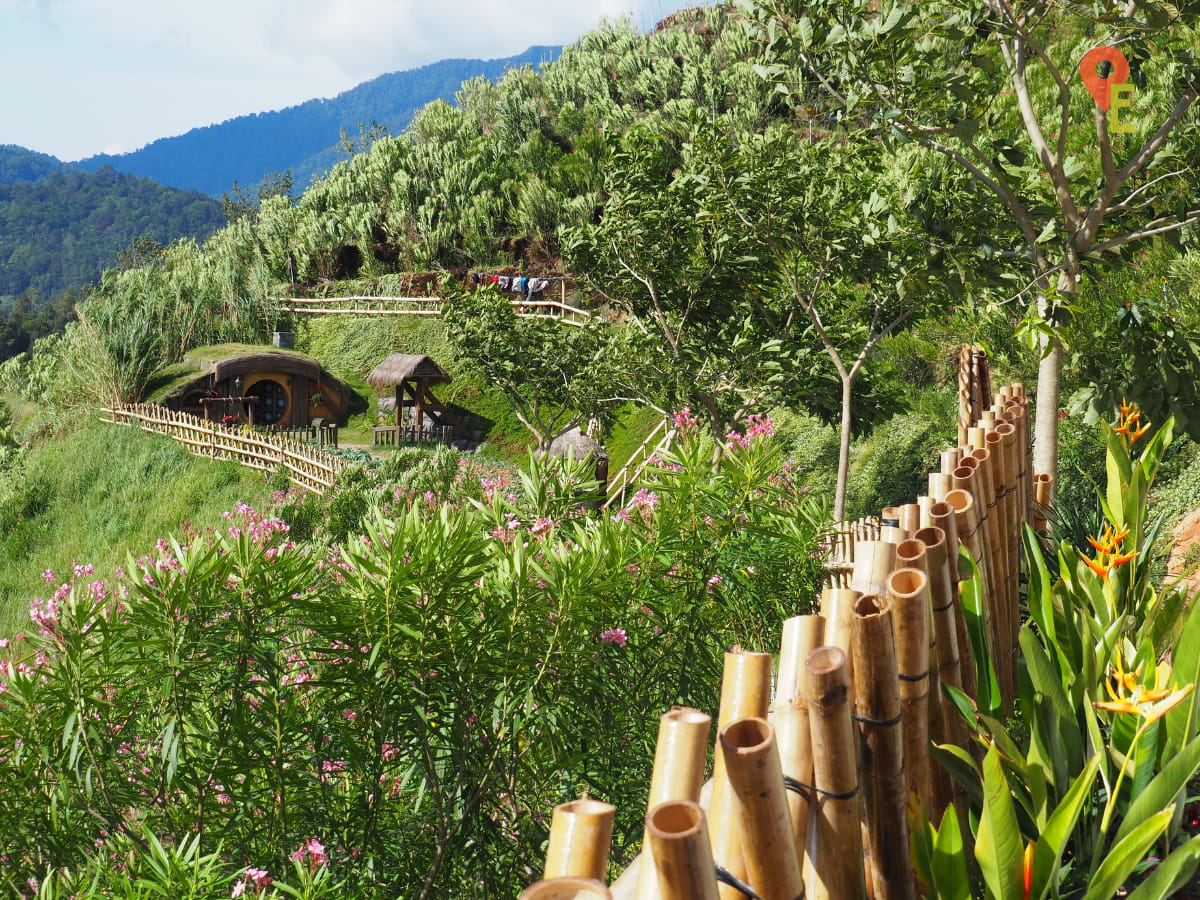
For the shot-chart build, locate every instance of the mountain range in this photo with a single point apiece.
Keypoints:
(304, 139)
(63, 223)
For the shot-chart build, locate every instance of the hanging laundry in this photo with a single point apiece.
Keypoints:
(477, 277)
(502, 282)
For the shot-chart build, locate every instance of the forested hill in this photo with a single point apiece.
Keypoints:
(65, 229)
(304, 139)
(19, 164)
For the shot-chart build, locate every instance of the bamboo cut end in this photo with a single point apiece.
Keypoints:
(566, 889)
(747, 735)
(675, 819)
(686, 715)
(931, 536)
(907, 583)
(960, 500)
(871, 605)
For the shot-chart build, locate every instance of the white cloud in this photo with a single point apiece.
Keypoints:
(102, 73)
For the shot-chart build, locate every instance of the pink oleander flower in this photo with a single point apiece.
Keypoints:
(715, 580)
(311, 851)
(615, 636)
(684, 420)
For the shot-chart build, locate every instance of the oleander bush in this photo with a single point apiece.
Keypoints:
(394, 715)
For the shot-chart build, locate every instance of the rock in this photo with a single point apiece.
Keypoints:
(1185, 551)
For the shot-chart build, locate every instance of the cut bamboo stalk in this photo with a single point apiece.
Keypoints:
(976, 435)
(580, 837)
(944, 604)
(914, 554)
(745, 692)
(949, 459)
(924, 501)
(801, 635)
(940, 484)
(752, 763)
(910, 518)
(966, 411)
(1006, 600)
(566, 889)
(885, 788)
(1043, 486)
(833, 865)
(943, 517)
(892, 534)
(996, 548)
(679, 759)
(908, 592)
(837, 609)
(680, 848)
(873, 562)
(1012, 522)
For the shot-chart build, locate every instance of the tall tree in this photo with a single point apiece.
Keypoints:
(993, 88)
(829, 222)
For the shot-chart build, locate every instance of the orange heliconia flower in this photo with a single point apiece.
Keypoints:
(1028, 870)
(1108, 551)
(1130, 422)
(1131, 697)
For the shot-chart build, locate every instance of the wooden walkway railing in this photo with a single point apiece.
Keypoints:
(306, 466)
(658, 441)
(422, 306)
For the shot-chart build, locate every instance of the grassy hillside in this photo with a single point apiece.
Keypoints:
(95, 492)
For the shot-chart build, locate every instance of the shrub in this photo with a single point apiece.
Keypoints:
(892, 465)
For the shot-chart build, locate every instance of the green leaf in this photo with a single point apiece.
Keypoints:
(951, 881)
(998, 844)
(1125, 855)
(1181, 721)
(1047, 852)
(1163, 789)
(1171, 874)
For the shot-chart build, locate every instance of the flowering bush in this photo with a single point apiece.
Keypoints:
(401, 708)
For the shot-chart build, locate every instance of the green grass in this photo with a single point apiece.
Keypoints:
(97, 492)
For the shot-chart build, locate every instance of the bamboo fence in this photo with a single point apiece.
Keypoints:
(306, 466)
(817, 778)
(423, 306)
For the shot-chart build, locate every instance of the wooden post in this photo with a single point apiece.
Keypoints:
(801, 635)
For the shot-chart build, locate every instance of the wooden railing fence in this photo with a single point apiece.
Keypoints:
(307, 466)
(657, 442)
(423, 306)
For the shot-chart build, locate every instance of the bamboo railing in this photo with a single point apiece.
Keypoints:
(858, 700)
(306, 466)
(423, 306)
(657, 442)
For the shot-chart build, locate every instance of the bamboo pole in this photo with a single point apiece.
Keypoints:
(877, 707)
(580, 837)
(680, 848)
(996, 548)
(566, 889)
(873, 561)
(1043, 485)
(914, 554)
(908, 592)
(801, 635)
(966, 413)
(837, 609)
(833, 865)
(940, 483)
(679, 759)
(752, 762)
(745, 692)
(942, 516)
(910, 518)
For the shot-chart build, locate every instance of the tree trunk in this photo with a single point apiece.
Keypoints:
(839, 497)
(1045, 435)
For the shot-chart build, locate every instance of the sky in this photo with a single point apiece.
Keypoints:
(81, 77)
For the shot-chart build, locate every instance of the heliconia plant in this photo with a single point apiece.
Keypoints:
(1087, 799)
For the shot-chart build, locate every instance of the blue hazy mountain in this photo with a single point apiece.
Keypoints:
(306, 138)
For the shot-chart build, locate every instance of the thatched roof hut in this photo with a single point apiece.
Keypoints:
(401, 367)
(577, 444)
